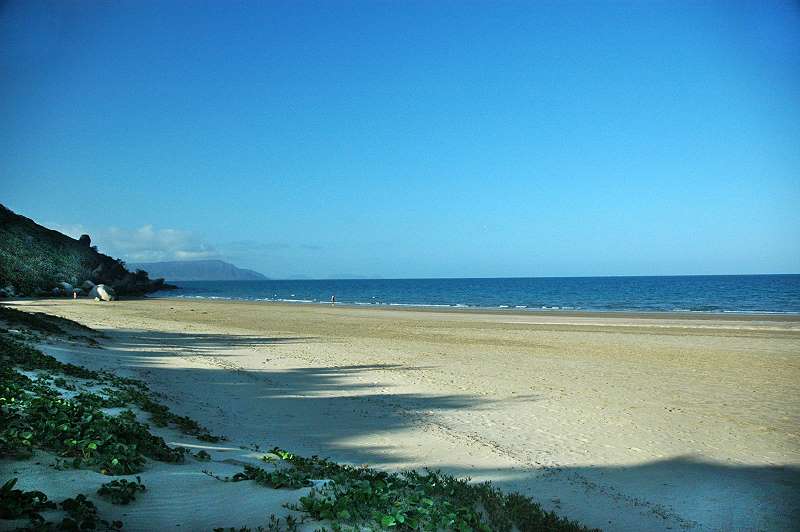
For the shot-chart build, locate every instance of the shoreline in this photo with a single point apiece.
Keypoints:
(732, 315)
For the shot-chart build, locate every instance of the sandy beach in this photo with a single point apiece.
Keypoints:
(621, 421)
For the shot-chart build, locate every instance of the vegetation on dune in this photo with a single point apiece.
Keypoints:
(47, 324)
(36, 415)
(34, 260)
(358, 497)
(80, 513)
(15, 503)
(121, 491)
(36, 320)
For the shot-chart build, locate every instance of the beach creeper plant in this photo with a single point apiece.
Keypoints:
(81, 513)
(37, 416)
(121, 491)
(357, 498)
(15, 503)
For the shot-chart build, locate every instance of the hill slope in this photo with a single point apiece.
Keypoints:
(35, 259)
(199, 270)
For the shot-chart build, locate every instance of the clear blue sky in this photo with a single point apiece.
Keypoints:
(411, 139)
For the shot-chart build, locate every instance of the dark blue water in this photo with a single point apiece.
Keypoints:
(713, 293)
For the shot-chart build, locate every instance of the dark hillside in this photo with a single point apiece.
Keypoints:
(34, 260)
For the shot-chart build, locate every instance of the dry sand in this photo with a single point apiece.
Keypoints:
(624, 422)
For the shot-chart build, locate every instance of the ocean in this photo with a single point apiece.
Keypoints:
(700, 293)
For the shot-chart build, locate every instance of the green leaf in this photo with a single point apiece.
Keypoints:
(388, 520)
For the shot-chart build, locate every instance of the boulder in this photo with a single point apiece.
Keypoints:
(106, 293)
(87, 286)
(102, 292)
(66, 287)
(57, 291)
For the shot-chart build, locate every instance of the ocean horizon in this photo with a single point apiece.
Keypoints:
(768, 293)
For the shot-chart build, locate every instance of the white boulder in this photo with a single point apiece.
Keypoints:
(106, 293)
(102, 292)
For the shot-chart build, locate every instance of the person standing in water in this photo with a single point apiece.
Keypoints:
(333, 299)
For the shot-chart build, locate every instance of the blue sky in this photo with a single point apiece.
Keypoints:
(411, 139)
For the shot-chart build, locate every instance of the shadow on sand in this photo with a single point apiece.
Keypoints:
(342, 413)
(679, 493)
(314, 410)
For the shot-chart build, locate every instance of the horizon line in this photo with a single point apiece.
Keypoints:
(498, 277)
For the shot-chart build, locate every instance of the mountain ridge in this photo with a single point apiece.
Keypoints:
(199, 270)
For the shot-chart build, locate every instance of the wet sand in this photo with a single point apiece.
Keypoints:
(622, 421)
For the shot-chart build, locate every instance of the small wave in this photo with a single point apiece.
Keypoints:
(205, 297)
(435, 305)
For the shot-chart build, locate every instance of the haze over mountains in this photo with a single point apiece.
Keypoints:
(198, 270)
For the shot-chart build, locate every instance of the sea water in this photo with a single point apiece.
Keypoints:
(701, 293)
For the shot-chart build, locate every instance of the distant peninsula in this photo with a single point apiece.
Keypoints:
(199, 270)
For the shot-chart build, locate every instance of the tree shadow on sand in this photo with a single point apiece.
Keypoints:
(216, 343)
(338, 411)
(683, 492)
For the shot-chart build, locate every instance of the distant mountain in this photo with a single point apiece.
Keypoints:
(198, 270)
